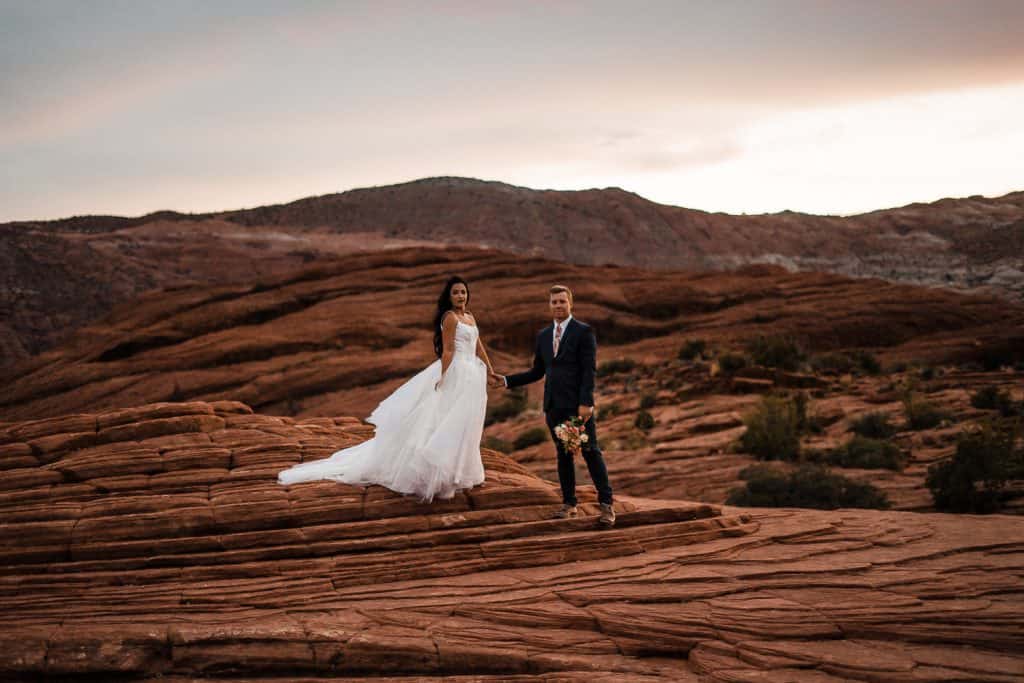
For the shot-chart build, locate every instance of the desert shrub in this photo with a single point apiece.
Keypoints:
(867, 362)
(873, 425)
(994, 398)
(632, 441)
(731, 362)
(922, 414)
(806, 421)
(177, 395)
(514, 404)
(866, 453)
(496, 444)
(773, 430)
(610, 410)
(647, 401)
(927, 373)
(644, 420)
(776, 352)
(692, 348)
(996, 356)
(836, 363)
(531, 437)
(972, 480)
(809, 486)
(616, 366)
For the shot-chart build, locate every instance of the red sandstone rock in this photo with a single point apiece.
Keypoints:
(238, 578)
(66, 273)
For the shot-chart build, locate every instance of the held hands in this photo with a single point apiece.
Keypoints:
(494, 380)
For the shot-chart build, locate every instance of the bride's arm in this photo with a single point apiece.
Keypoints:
(481, 353)
(447, 343)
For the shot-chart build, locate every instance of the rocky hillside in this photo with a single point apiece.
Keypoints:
(154, 543)
(58, 275)
(334, 340)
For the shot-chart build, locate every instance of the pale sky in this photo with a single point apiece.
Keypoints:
(824, 106)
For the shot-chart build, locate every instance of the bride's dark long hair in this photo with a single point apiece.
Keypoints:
(444, 304)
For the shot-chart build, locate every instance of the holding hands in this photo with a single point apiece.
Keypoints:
(494, 380)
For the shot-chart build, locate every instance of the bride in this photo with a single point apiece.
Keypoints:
(427, 441)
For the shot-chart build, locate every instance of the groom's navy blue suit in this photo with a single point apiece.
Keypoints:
(569, 384)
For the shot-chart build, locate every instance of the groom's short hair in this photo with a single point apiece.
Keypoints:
(558, 289)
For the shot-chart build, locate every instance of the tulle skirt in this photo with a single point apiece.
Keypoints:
(427, 441)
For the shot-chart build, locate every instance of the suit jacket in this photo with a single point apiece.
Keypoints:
(569, 376)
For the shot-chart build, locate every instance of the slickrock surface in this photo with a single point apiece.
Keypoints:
(154, 542)
(692, 452)
(334, 340)
(57, 275)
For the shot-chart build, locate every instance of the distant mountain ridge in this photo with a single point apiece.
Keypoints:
(974, 244)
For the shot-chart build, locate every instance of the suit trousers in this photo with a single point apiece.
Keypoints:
(591, 455)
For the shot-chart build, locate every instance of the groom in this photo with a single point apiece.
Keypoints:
(566, 357)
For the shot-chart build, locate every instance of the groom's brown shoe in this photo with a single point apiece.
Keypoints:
(607, 516)
(566, 511)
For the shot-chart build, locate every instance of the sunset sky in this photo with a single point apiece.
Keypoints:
(823, 106)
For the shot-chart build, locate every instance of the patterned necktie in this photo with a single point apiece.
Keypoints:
(558, 336)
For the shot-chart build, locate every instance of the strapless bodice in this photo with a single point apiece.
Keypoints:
(465, 339)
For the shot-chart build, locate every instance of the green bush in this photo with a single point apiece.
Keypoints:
(731, 362)
(610, 410)
(806, 422)
(513, 405)
(994, 398)
(776, 352)
(1000, 354)
(773, 430)
(616, 367)
(647, 401)
(866, 453)
(531, 437)
(644, 420)
(873, 425)
(921, 414)
(836, 363)
(809, 486)
(972, 480)
(692, 348)
(867, 362)
(927, 373)
(496, 444)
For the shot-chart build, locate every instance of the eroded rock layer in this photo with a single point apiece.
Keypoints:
(155, 542)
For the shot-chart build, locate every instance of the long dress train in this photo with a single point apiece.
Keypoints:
(427, 441)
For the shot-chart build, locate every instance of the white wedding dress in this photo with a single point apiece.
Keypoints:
(427, 441)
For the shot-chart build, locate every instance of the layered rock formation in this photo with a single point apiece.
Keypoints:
(154, 542)
(974, 244)
(334, 340)
(692, 452)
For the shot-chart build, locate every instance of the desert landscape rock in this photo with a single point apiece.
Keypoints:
(333, 340)
(60, 274)
(154, 542)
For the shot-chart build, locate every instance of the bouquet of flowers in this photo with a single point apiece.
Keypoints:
(572, 433)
